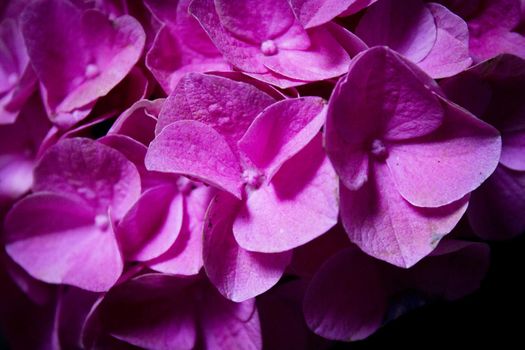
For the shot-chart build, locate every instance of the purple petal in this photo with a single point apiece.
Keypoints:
(408, 29)
(98, 174)
(281, 131)
(346, 299)
(385, 226)
(195, 149)
(443, 167)
(152, 225)
(237, 273)
(297, 206)
(312, 13)
(63, 242)
(496, 207)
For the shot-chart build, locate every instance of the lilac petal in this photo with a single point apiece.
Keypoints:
(168, 59)
(76, 72)
(243, 55)
(496, 207)
(357, 6)
(185, 256)
(512, 151)
(150, 311)
(408, 29)
(348, 40)
(229, 325)
(195, 149)
(454, 270)
(313, 13)
(98, 174)
(227, 106)
(450, 53)
(353, 306)
(237, 273)
(281, 131)
(324, 59)
(152, 225)
(62, 242)
(297, 206)
(255, 21)
(138, 121)
(450, 163)
(387, 227)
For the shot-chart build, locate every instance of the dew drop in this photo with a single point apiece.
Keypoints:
(91, 71)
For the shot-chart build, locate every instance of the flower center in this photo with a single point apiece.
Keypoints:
(252, 178)
(102, 222)
(269, 48)
(378, 149)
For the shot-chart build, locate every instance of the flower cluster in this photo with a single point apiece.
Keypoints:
(219, 174)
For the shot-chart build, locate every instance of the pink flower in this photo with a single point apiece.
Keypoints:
(265, 40)
(312, 13)
(267, 156)
(427, 34)
(63, 232)
(78, 55)
(406, 157)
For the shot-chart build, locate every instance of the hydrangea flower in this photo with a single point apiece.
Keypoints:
(219, 131)
(407, 158)
(492, 90)
(427, 34)
(81, 188)
(265, 40)
(75, 63)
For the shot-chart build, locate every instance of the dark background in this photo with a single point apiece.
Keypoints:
(493, 314)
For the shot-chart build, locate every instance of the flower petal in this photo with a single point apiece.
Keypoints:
(237, 273)
(195, 149)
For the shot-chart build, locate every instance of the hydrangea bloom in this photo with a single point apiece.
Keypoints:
(217, 174)
(407, 168)
(267, 41)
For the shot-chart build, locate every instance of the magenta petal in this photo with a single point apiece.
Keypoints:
(87, 169)
(297, 206)
(512, 151)
(138, 121)
(237, 273)
(255, 21)
(226, 105)
(229, 325)
(324, 59)
(454, 270)
(409, 29)
(389, 228)
(152, 225)
(445, 166)
(312, 13)
(195, 149)
(346, 299)
(241, 54)
(62, 242)
(497, 206)
(281, 131)
(152, 311)
(450, 53)
(185, 256)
